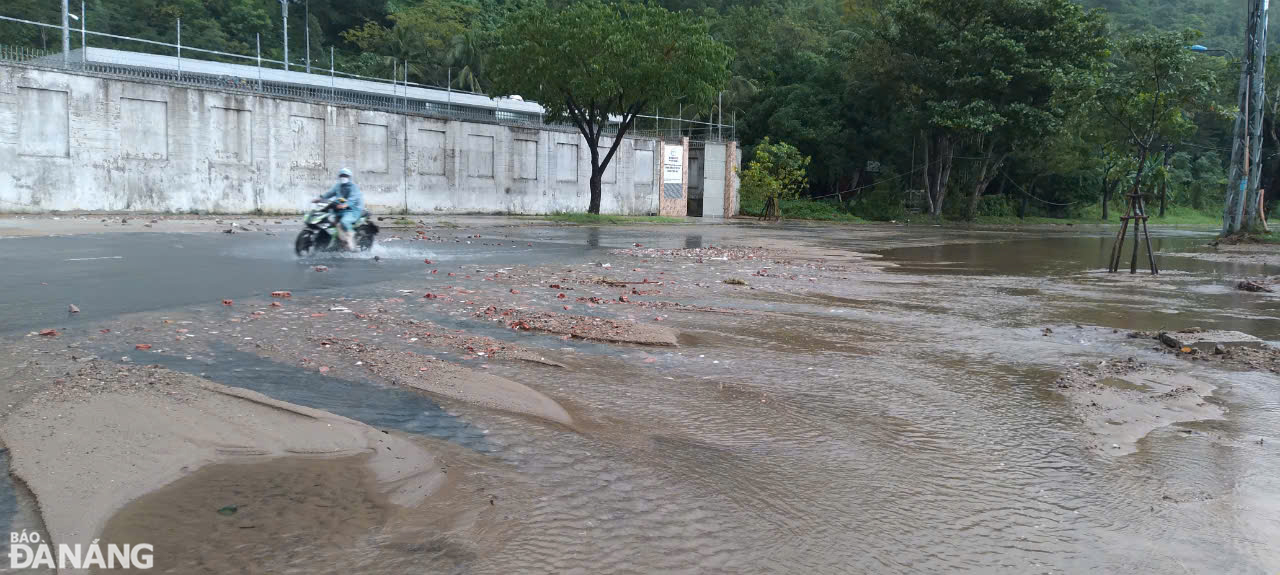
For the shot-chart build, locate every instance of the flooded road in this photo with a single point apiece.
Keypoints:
(899, 418)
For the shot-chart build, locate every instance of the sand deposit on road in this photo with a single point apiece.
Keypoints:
(129, 430)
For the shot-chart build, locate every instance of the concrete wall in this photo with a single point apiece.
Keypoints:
(79, 142)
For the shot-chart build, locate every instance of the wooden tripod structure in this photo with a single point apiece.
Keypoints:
(772, 211)
(1136, 213)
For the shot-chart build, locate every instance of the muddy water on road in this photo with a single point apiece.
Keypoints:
(903, 421)
(914, 430)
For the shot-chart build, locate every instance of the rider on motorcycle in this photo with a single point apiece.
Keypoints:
(350, 206)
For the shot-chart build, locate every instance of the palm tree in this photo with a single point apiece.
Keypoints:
(466, 56)
(402, 46)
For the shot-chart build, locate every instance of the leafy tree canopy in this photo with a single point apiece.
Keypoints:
(597, 65)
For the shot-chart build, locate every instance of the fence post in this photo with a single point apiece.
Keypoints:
(332, 91)
(84, 44)
(406, 85)
(66, 36)
(307, 21)
(179, 48)
(284, 16)
(259, 43)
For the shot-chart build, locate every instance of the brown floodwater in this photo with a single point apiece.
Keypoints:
(903, 421)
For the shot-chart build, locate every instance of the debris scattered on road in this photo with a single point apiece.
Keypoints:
(73, 309)
(1252, 286)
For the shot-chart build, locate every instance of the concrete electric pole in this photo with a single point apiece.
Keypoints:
(307, 22)
(1241, 211)
(66, 36)
(284, 16)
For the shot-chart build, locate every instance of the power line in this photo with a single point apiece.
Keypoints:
(897, 177)
(1030, 195)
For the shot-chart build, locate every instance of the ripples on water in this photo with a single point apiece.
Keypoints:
(899, 424)
(890, 439)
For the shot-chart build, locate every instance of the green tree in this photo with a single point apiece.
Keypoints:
(1153, 93)
(989, 75)
(777, 171)
(420, 35)
(600, 65)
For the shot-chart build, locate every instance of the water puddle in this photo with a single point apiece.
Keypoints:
(1120, 383)
(369, 403)
(277, 515)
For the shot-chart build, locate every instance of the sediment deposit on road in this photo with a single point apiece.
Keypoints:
(637, 398)
(104, 434)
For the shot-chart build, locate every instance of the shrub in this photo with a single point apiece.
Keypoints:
(775, 170)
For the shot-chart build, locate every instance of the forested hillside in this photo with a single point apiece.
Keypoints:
(899, 103)
(1221, 21)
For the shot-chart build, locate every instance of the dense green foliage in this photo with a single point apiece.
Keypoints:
(600, 65)
(776, 171)
(966, 108)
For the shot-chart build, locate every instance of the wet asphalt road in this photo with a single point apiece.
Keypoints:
(105, 275)
(111, 274)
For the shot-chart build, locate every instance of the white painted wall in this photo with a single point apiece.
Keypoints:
(76, 142)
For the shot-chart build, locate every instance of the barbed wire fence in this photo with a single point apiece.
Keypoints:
(156, 61)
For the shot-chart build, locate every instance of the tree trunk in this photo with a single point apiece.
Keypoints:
(925, 174)
(1022, 206)
(594, 207)
(1106, 192)
(591, 123)
(938, 183)
(597, 171)
(1137, 176)
(986, 172)
(1164, 182)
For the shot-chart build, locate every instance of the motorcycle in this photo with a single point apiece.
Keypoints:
(320, 233)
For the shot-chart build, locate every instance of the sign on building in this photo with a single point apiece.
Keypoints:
(673, 171)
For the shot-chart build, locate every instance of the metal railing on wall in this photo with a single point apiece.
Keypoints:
(245, 74)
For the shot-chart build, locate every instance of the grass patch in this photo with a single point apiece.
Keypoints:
(735, 282)
(1174, 216)
(606, 219)
(805, 209)
(405, 222)
(1269, 238)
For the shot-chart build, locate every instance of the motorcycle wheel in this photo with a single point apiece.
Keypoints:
(364, 240)
(305, 244)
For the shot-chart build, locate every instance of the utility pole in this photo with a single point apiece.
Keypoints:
(284, 15)
(1240, 210)
(720, 110)
(307, 21)
(66, 36)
